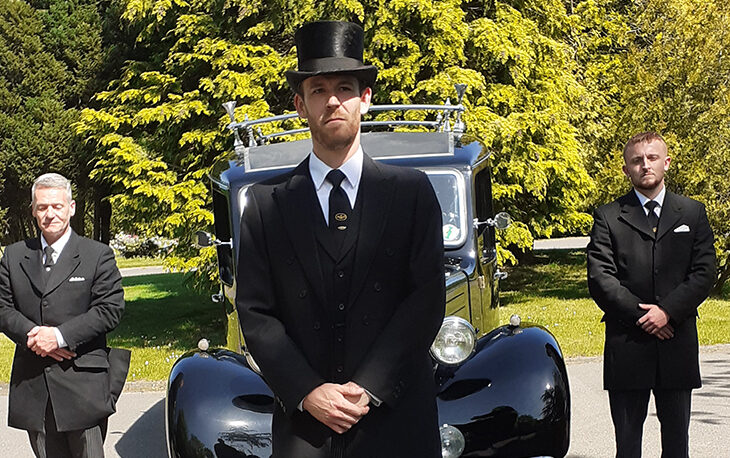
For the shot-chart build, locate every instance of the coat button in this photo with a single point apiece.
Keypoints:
(377, 286)
(340, 273)
(340, 369)
(290, 260)
(316, 325)
(341, 306)
(339, 339)
(45, 303)
(389, 251)
(303, 294)
(365, 320)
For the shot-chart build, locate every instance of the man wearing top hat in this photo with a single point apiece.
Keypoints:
(342, 284)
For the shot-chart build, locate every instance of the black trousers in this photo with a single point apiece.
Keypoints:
(628, 412)
(84, 443)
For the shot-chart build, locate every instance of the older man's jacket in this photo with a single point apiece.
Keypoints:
(391, 314)
(82, 296)
(628, 265)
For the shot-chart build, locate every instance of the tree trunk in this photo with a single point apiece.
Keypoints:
(721, 280)
(102, 217)
(77, 222)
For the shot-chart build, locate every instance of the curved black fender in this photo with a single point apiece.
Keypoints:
(217, 406)
(511, 398)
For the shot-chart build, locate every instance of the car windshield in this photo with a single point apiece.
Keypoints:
(449, 187)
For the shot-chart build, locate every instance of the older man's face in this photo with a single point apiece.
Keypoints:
(53, 211)
(332, 106)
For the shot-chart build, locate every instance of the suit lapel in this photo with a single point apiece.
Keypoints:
(671, 212)
(633, 213)
(67, 263)
(299, 207)
(32, 264)
(376, 192)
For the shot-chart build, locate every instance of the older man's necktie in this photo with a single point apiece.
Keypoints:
(653, 218)
(340, 210)
(48, 251)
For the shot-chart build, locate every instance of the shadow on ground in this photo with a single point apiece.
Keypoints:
(146, 437)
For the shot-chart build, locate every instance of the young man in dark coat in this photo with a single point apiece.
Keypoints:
(651, 263)
(59, 296)
(341, 287)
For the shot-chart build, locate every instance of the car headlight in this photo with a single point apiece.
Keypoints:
(455, 341)
(452, 442)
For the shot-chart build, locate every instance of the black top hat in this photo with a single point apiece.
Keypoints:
(326, 47)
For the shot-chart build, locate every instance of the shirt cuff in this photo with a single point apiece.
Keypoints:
(59, 338)
(373, 399)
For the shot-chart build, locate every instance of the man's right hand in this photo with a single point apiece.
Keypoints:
(329, 404)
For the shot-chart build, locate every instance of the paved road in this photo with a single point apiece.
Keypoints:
(137, 430)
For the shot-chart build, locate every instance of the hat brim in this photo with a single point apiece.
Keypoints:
(365, 74)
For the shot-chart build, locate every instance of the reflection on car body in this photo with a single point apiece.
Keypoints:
(503, 389)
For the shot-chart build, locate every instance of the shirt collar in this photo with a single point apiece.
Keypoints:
(59, 244)
(658, 199)
(352, 169)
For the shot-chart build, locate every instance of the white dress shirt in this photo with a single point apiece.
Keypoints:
(352, 169)
(58, 247)
(658, 199)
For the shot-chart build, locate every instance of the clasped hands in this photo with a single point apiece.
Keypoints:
(339, 407)
(656, 322)
(42, 341)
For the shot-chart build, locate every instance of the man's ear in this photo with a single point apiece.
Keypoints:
(365, 100)
(300, 106)
(72, 207)
(666, 163)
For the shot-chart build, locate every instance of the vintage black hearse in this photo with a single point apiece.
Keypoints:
(503, 390)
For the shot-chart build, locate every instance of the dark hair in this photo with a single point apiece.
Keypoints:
(644, 137)
(361, 86)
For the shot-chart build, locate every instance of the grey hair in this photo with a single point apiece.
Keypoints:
(51, 180)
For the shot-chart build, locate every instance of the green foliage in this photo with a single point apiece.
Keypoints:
(159, 127)
(670, 68)
(35, 134)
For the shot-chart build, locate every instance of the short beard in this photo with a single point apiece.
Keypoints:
(334, 142)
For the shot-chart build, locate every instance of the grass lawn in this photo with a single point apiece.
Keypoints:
(162, 320)
(551, 290)
(137, 262)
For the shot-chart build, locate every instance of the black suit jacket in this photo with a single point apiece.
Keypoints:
(627, 266)
(83, 297)
(395, 308)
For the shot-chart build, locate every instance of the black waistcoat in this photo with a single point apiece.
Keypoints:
(337, 266)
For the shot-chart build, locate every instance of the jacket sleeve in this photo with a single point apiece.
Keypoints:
(616, 300)
(282, 363)
(105, 308)
(416, 321)
(683, 300)
(13, 323)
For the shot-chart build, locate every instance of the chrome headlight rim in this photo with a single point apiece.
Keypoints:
(453, 442)
(452, 324)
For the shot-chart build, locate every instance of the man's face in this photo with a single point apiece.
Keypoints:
(332, 106)
(53, 212)
(645, 164)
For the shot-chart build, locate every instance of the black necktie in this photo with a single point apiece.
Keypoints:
(340, 209)
(49, 257)
(653, 218)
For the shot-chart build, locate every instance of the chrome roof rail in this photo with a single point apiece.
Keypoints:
(442, 123)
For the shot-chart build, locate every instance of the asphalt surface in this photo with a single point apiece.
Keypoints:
(137, 430)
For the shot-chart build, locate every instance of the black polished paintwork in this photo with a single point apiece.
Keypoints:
(511, 399)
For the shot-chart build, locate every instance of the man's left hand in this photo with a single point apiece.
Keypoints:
(42, 340)
(654, 319)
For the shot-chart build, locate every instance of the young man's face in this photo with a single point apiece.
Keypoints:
(645, 164)
(332, 104)
(53, 211)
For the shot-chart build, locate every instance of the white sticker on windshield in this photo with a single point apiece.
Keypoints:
(451, 233)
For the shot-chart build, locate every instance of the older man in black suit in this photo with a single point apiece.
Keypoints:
(651, 263)
(59, 296)
(341, 288)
